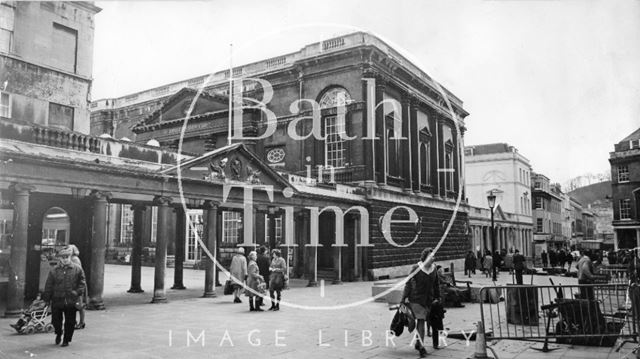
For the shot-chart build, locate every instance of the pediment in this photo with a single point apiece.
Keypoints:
(230, 164)
(177, 106)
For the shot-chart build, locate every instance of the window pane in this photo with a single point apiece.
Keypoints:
(5, 40)
(63, 55)
(334, 144)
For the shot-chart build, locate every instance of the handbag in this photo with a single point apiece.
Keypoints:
(228, 287)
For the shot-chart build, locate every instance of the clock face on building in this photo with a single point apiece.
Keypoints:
(275, 155)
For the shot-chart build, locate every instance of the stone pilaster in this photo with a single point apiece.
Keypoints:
(98, 248)
(18, 256)
(159, 292)
(211, 232)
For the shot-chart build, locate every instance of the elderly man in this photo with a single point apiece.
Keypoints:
(585, 275)
(64, 286)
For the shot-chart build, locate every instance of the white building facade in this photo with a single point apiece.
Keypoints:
(500, 169)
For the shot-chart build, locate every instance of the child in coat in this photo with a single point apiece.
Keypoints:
(436, 317)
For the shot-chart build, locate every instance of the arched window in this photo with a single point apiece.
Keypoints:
(335, 96)
(334, 144)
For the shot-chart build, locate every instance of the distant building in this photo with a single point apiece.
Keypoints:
(547, 214)
(625, 181)
(499, 169)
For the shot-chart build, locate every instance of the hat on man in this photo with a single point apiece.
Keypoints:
(241, 250)
(65, 252)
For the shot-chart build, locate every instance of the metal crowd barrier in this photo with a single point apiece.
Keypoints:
(615, 273)
(584, 314)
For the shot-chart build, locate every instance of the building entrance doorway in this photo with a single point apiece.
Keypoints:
(56, 226)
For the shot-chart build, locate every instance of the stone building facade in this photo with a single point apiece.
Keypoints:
(414, 161)
(625, 179)
(499, 169)
(547, 214)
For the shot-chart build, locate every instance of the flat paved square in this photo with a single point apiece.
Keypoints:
(193, 327)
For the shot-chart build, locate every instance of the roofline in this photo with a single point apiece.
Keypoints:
(308, 51)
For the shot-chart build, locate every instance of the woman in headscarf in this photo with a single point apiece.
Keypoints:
(421, 291)
(253, 280)
(276, 281)
(75, 258)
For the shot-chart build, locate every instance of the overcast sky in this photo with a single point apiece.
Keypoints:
(560, 80)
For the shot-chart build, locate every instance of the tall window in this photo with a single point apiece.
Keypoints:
(393, 152)
(194, 231)
(625, 208)
(6, 27)
(5, 103)
(126, 223)
(539, 225)
(539, 203)
(623, 173)
(60, 116)
(267, 229)
(425, 164)
(448, 164)
(333, 144)
(231, 225)
(63, 54)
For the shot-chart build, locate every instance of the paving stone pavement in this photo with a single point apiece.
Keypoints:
(193, 327)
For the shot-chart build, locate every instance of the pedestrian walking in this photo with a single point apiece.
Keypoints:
(545, 260)
(276, 281)
(422, 291)
(75, 258)
(253, 282)
(470, 264)
(487, 264)
(64, 286)
(518, 265)
(238, 270)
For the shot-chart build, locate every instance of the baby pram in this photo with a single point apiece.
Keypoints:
(34, 320)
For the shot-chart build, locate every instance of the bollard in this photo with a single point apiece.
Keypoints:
(481, 344)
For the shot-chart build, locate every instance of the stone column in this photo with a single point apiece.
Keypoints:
(637, 237)
(179, 249)
(615, 240)
(210, 238)
(311, 251)
(136, 250)
(18, 256)
(159, 293)
(98, 240)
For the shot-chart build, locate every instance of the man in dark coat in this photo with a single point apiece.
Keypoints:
(545, 262)
(518, 266)
(263, 267)
(64, 286)
(422, 290)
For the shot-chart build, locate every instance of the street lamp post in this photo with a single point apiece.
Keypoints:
(491, 199)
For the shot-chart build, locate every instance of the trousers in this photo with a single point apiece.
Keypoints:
(69, 312)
